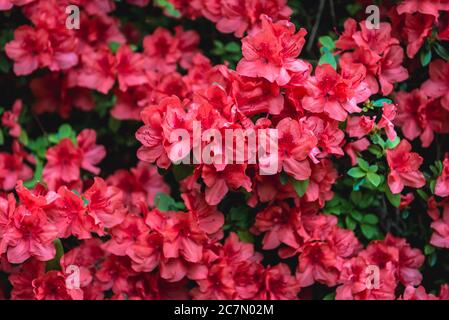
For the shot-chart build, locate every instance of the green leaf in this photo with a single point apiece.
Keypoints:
(114, 124)
(329, 296)
(353, 8)
(422, 194)
(441, 51)
(359, 183)
(114, 46)
(375, 150)
(356, 173)
(368, 231)
(169, 8)
(351, 224)
(432, 185)
(65, 131)
(432, 259)
(182, 171)
(377, 139)
(380, 102)
(370, 219)
(425, 57)
(428, 249)
(393, 144)
(2, 137)
(233, 47)
(245, 236)
(85, 201)
(394, 199)
(5, 65)
(239, 217)
(55, 264)
(164, 202)
(300, 186)
(6, 36)
(356, 215)
(103, 103)
(327, 42)
(37, 174)
(23, 138)
(363, 164)
(405, 214)
(328, 58)
(356, 197)
(283, 178)
(373, 178)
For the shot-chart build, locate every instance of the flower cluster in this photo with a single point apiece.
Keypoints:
(102, 198)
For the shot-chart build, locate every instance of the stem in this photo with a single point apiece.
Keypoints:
(39, 123)
(334, 18)
(316, 25)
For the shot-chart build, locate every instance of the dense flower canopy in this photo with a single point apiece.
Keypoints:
(97, 200)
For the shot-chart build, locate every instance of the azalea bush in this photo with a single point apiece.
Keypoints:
(93, 205)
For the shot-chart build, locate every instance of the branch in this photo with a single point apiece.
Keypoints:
(316, 25)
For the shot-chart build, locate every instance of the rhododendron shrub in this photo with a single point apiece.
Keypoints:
(112, 179)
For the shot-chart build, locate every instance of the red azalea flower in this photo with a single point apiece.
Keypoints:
(210, 219)
(97, 71)
(21, 279)
(409, 262)
(30, 234)
(151, 133)
(404, 168)
(37, 47)
(10, 119)
(412, 293)
(218, 285)
(438, 84)
(105, 203)
(336, 94)
(440, 226)
(91, 153)
(99, 30)
(146, 252)
(330, 137)
(353, 148)
(52, 286)
(354, 277)
(140, 185)
(182, 236)
(321, 181)
(85, 257)
(130, 68)
(279, 284)
(295, 144)
(358, 127)
(219, 182)
(125, 235)
(417, 28)
(280, 224)
(430, 7)
(13, 168)
(161, 50)
(69, 215)
(271, 52)
(318, 263)
(53, 93)
(442, 184)
(419, 116)
(389, 113)
(377, 50)
(63, 164)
